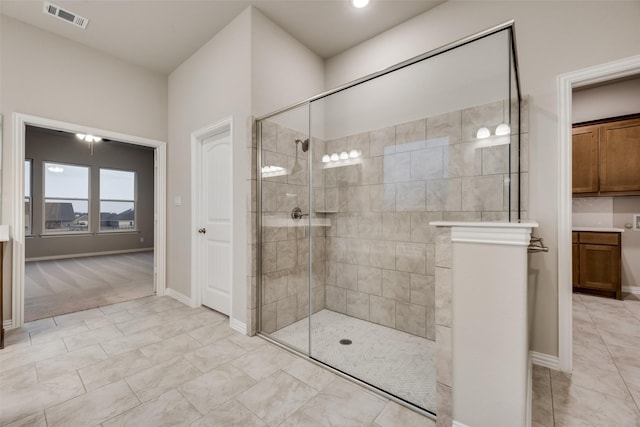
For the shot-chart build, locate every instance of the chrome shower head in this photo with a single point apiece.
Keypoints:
(304, 144)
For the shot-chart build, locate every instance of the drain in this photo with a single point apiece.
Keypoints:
(345, 341)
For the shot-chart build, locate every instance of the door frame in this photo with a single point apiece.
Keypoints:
(565, 84)
(224, 126)
(16, 189)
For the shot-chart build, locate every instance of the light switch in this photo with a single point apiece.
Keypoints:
(177, 201)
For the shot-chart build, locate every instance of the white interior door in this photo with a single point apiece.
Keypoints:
(216, 222)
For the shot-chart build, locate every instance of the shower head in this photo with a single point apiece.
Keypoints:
(304, 144)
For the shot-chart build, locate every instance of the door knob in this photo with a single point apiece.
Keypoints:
(202, 230)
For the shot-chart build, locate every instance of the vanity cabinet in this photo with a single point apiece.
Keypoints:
(597, 263)
(606, 158)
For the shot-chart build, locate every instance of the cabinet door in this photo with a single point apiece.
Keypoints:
(576, 264)
(585, 159)
(600, 267)
(620, 156)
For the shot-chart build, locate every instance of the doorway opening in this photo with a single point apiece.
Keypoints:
(88, 221)
(567, 83)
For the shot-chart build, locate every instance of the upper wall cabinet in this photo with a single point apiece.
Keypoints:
(606, 158)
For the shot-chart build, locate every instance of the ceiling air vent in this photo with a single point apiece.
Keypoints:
(58, 12)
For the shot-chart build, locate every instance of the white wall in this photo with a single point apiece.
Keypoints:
(251, 67)
(553, 38)
(284, 71)
(472, 75)
(49, 76)
(610, 100)
(214, 83)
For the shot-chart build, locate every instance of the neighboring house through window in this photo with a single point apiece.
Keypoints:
(117, 200)
(66, 193)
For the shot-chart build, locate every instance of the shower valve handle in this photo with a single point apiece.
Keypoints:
(296, 214)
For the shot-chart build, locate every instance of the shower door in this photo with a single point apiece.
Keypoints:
(285, 227)
(349, 185)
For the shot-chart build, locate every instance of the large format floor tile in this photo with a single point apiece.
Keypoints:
(604, 388)
(154, 361)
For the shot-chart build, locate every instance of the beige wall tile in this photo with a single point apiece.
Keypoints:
(370, 280)
(411, 318)
(444, 129)
(286, 311)
(411, 196)
(347, 276)
(396, 167)
(383, 311)
(444, 194)
(396, 226)
(411, 257)
(484, 193)
(336, 299)
(358, 305)
(443, 296)
(443, 247)
(421, 231)
(423, 290)
(427, 163)
(411, 136)
(382, 254)
(382, 198)
(382, 141)
(358, 251)
(443, 355)
(396, 285)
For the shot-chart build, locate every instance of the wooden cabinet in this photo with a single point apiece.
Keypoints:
(585, 160)
(596, 263)
(606, 158)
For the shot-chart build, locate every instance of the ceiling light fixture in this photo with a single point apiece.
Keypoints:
(88, 138)
(359, 3)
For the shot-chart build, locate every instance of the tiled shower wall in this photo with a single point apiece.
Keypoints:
(380, 247)
(373, 249)
(285, 243)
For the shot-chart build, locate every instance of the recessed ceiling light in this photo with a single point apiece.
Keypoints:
(359, 3)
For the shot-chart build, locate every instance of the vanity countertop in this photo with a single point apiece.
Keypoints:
(600, 229)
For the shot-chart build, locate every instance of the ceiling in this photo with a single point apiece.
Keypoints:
(160, 34)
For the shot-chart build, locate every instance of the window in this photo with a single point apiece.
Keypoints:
(28, 206)
(66, 198)
(117, 200)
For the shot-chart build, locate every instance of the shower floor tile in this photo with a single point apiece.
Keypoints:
(394, 361)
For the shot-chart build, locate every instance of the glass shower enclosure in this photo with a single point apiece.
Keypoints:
(349, 182)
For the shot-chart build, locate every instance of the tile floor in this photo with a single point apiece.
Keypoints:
(604, 388)
(154, 361)
(399, 363)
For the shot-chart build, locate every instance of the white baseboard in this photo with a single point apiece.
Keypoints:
(88, 254)
(178, 296)
(237, 325)
(631, 289)
(458, 424)
(7, 324)
(545, 360)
